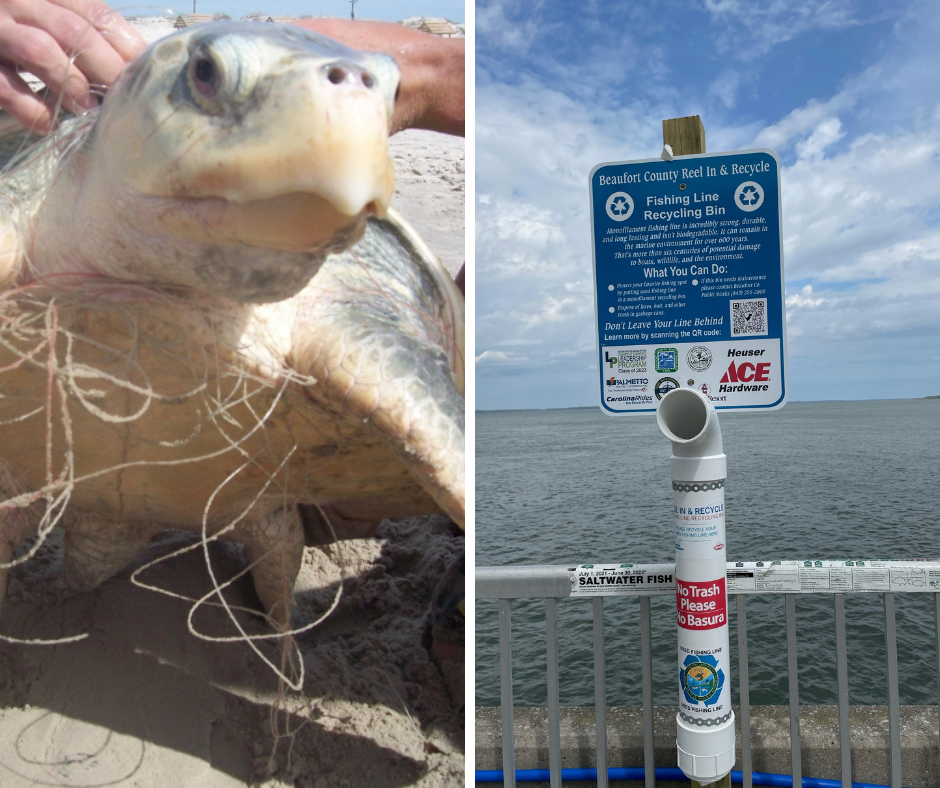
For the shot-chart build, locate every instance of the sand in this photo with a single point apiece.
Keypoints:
(142, 702)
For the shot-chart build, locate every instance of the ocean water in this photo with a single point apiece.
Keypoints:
(822, 480)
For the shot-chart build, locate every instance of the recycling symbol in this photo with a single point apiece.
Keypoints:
(749, 196)
(701, 679)
(619, 206)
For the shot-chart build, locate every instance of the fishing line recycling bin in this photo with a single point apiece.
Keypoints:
(690, 307)
(705, 724)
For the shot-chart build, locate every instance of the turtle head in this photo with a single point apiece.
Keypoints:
(240, 155)
(281, 133)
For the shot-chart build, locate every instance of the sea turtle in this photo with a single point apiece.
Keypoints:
(211, 318)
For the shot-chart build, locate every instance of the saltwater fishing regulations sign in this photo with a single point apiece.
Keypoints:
(760, 577)
(688, 276)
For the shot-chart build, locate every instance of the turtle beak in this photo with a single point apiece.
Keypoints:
(333, 142)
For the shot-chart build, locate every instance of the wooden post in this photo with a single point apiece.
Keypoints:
(686, 135)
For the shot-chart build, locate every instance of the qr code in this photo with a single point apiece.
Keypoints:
(749, 318)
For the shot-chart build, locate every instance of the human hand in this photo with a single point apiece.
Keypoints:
(42, 37)
(432, 70)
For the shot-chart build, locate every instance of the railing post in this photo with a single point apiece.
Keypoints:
(505, 695)
(894, 704)
(842, 677)
(600, 693)
(554, 721)
(745, 693)
(936, 612)
(794, 689)
(646, 657)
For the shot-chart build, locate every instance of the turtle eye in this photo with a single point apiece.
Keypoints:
(206, 80)
(206, 76)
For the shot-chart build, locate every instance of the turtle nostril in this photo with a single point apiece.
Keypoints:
(368, 80)
(336, 75)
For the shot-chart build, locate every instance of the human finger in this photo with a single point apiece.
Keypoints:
(74, 35)
(22, 103)
(113, 28)
(37, 52)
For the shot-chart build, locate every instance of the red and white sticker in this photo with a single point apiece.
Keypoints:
(701, 605)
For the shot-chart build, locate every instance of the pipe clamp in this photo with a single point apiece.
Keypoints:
(698, 486)
(710, 723)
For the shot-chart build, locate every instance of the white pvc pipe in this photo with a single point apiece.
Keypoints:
(705, 723)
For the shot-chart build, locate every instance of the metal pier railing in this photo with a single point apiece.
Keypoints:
(554, 582)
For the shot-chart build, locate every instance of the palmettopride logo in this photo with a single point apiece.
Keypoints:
(701, 679)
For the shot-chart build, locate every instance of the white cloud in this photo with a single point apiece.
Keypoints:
(559, 310)
(518, 225)
(795, 124)
(498, 357)
(750, 28)
(824, 135)
(804, 299)
(505, 32)
(725, 87)
(841, 209)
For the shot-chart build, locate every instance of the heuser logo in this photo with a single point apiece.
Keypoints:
(701, 605)
(745, 372)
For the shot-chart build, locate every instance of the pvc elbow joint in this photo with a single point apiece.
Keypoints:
(688, 418)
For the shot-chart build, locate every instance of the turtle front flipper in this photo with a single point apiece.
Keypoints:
(381, 330)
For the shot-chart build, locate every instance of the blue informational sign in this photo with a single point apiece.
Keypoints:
(688, 276)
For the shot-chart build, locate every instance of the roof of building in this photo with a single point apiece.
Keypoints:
(439, 27)
(187, 20)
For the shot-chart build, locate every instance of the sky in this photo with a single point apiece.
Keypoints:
(387, 10)
(845, 91)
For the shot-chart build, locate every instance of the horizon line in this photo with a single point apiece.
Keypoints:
(789, 402)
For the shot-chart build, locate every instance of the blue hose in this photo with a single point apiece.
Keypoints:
(662, 773)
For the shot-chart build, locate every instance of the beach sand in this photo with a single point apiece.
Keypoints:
(143, 702)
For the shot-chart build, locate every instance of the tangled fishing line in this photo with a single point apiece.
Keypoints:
(39, 341)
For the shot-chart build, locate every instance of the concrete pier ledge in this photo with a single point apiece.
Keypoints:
(770, 741)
